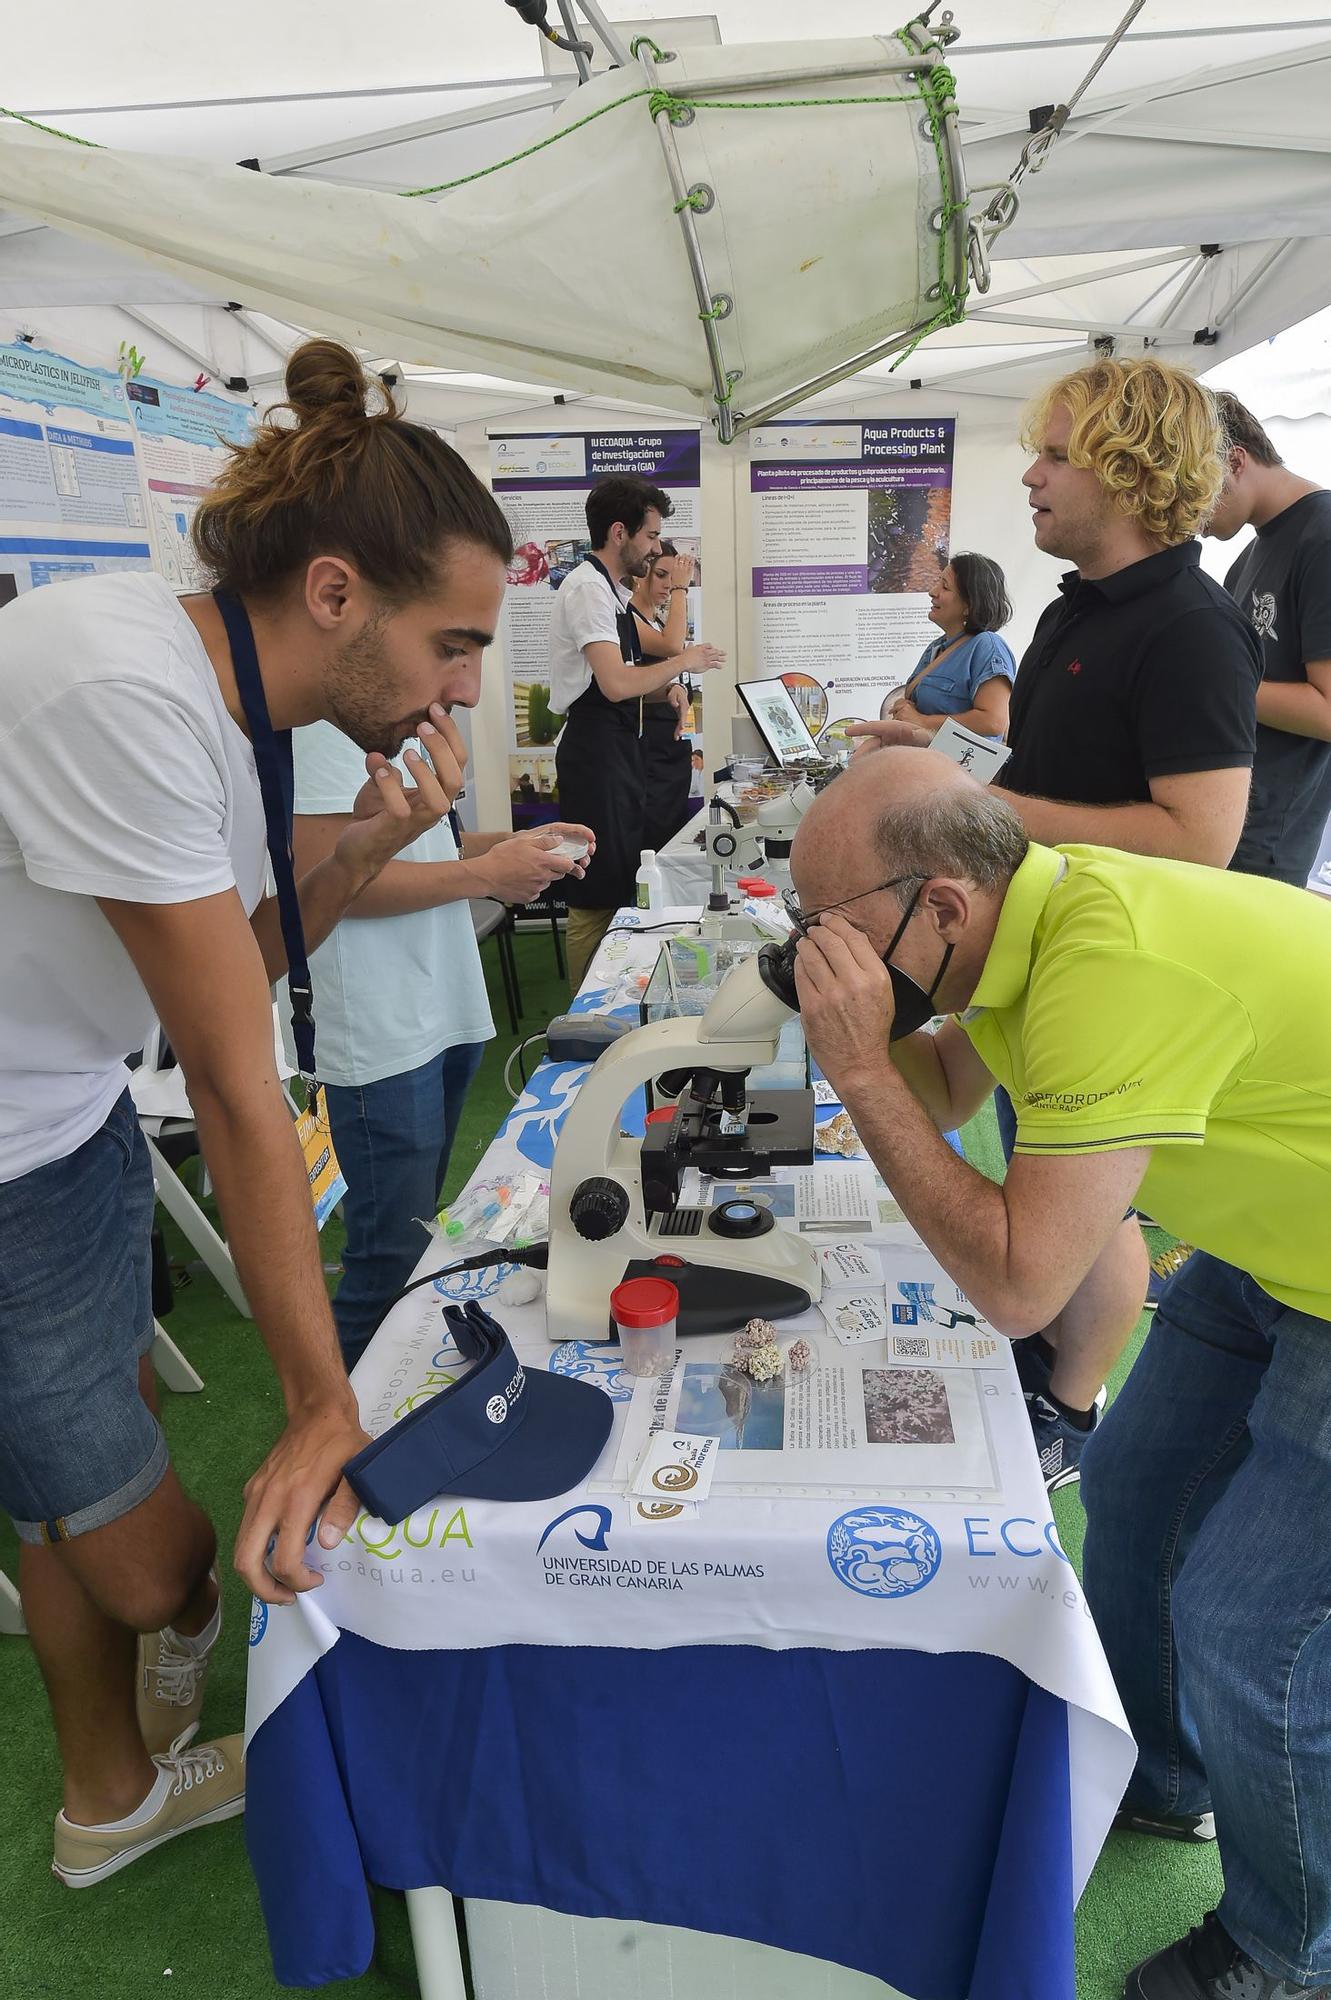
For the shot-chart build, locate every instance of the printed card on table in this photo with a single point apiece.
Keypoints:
(855, 1317)
(848, 1265)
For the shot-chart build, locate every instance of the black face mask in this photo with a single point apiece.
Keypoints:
(913, 1005)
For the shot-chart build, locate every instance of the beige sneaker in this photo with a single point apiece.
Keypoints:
(170, 1690)
(208, 1784)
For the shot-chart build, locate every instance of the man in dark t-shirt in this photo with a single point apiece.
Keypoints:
(1282, 583)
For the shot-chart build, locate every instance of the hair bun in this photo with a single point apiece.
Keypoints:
(323, 379)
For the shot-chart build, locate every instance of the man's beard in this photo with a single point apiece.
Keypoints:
(357, 691)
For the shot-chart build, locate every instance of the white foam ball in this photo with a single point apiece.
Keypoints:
(520, 1288)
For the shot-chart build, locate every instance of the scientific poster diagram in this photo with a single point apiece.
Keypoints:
(541, 480)
(851, 527)
(72, 502)
(182, 437)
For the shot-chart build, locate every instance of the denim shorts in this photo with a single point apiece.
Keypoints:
(79, 1447)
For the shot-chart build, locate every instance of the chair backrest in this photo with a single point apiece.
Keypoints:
(487, 916)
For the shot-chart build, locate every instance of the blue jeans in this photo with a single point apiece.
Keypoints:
(1207, 1490)
(392, 1140)
(79, 1447)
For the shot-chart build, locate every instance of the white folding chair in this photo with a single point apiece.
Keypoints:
(11, 1611)
(165, 1111)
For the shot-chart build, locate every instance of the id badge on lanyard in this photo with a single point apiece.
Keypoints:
(277, 785)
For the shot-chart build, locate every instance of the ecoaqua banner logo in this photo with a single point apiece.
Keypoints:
(883, 1551)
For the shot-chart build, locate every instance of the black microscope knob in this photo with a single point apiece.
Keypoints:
(599, 1208)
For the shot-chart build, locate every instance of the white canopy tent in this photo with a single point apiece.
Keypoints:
(1184, 207)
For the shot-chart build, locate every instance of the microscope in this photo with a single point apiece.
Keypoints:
(615, 1208)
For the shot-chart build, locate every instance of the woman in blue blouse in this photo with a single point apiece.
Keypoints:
(968, 672)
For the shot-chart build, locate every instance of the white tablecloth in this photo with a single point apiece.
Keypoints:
(588, 1569)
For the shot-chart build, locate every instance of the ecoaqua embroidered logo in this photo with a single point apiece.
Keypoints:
(883, 1551)
(258, 1620)
(594, 1362)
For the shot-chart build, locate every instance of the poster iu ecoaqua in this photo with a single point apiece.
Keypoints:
(71, 499)
(99, 475)
(182, 437)
(851, 525)
(541, 481)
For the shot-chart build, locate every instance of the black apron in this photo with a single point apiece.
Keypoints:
(667, 773)
(599, 765)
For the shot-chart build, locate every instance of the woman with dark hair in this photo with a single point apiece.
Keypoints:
(145, 784)
(966, 674)
(660, 607)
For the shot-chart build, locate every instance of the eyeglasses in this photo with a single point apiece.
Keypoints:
(802, 921)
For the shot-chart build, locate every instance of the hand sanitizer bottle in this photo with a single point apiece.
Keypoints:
(649, 887)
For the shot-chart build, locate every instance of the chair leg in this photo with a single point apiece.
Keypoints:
(11, 1610)
(434, 1939)
(180, 1205)
(171, 1365)
(509, 974)
(559, 947)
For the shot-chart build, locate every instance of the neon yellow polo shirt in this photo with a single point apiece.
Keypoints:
(1128, 1001)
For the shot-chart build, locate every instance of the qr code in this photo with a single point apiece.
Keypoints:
(910, 1347)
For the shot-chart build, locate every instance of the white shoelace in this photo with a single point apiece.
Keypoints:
(177, 1675)
(192, 1767)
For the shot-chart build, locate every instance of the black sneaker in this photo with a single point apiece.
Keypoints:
(1167, 1826)
(1059, 1443)
(1208, 1965)
(1033, 1371)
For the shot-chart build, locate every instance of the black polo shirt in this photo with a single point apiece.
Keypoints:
(1144, 674)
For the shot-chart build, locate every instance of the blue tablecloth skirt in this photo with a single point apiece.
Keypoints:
(905, 1814)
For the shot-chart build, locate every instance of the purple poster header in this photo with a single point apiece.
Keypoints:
(578, 459)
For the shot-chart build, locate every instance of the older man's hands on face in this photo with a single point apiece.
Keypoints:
(846, 1004)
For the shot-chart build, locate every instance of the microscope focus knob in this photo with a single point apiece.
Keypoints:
(599, 1208)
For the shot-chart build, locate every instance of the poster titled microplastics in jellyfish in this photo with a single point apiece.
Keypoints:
(851, 527)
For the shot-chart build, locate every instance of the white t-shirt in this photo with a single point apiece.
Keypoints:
(586, 606)
(390, 993)
(123, 776)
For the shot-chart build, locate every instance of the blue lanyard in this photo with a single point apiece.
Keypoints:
(277, 784)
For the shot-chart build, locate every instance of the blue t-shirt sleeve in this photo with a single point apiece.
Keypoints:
(990, 659)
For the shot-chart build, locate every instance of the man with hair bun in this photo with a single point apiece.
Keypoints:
(359, 567)
(1164, 1028)
(1132, 726)
(1282, 582)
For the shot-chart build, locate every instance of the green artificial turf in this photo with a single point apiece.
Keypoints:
(185, 1920)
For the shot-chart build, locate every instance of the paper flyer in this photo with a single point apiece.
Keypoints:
(847, 1423)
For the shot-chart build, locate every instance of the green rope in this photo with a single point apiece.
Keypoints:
(796, 103)
(676, 107)
(446, 187)
(694, 199)
(717, 312)
(646, 42)
(52, 131)
(937, 89)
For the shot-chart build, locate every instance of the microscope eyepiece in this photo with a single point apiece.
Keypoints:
(776, 969)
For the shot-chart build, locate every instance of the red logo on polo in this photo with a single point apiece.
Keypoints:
(1074, 666)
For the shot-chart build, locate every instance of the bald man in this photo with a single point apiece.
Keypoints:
(1161, 1027)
